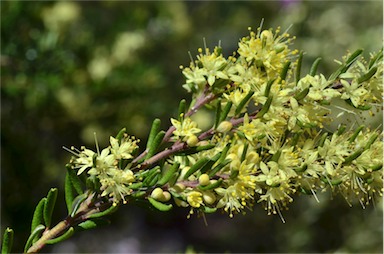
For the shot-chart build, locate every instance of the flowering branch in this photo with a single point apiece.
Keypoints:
(270, 141)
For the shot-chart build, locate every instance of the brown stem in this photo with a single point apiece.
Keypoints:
(59, 229)
(201, 101)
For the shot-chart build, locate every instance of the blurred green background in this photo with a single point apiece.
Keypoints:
(69, 69)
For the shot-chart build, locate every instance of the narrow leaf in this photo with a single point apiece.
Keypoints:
(160, 206)
(218, 113)
(244, 153)
(91, 224)
(207, 166)
(182, 108)
(243, 102)
(353, 156)
(168, 174)
(63, 237)
(209, 209)
(35, 234)
(106, 212)
(225, 111)
(284, 71)
(367, 75)
(199, 164)
(268, 87)
(265, 107)
(76, 203)
(120, 135)
(356, 133)
(151, 176)
(75, 180)
(314, 66)
(154, 145)
(211, 186)
(49, 205)
(7, 243)
(38, 218)
(218, 167)
(298, 67)
(68, 192)
(322, 139)
(154, 130)
(302, 94)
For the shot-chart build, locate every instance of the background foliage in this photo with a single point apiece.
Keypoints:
(69, 69)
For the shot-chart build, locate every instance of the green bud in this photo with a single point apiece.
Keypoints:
(204, 179)
(224, 127)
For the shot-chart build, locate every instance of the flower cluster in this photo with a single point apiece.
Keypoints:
(107, 166)
(268, 141)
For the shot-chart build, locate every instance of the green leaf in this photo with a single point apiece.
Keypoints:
(218, 167)
(341, 129)
(7, 243)
(199, 164)
(225, 111)
(244, 152)
(284, 71)
(352, 58)
(356, 133)
(371, 140)
(367, 75)
(35, 234)
(168, 174)
(314, 66)
(152, 177)
(63, 237)
(218, 113)
(49, 205)
(375, 58)
(345, 67)
(322, 139)
(182, 108)
(160, 206)
(276, 156)
(265, 107)
(211, 186)
(120, 135)
(207, 209)
(106, 212)
(243, 102)
(302, 94)
(91, 224)
(75, 180)
(154, 130)
(353, 156)
(268, 87)
(76, 203)
(68, 192)
(154, 145)
(298, 68)
(38, 218)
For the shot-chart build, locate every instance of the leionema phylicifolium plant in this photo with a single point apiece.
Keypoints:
(268, 143)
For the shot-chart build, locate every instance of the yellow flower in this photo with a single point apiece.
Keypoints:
(186, 128)
(124, 149)
(195, 199)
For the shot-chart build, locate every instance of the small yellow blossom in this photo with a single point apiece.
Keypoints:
(195, 199)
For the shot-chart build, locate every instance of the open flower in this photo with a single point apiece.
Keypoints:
(185, 129)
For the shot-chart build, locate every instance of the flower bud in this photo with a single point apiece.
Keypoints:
(192, 140)
(157, 194)
(166, 195)
(204, 179)
(266, 35)
(209, 197)
(224, 126)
